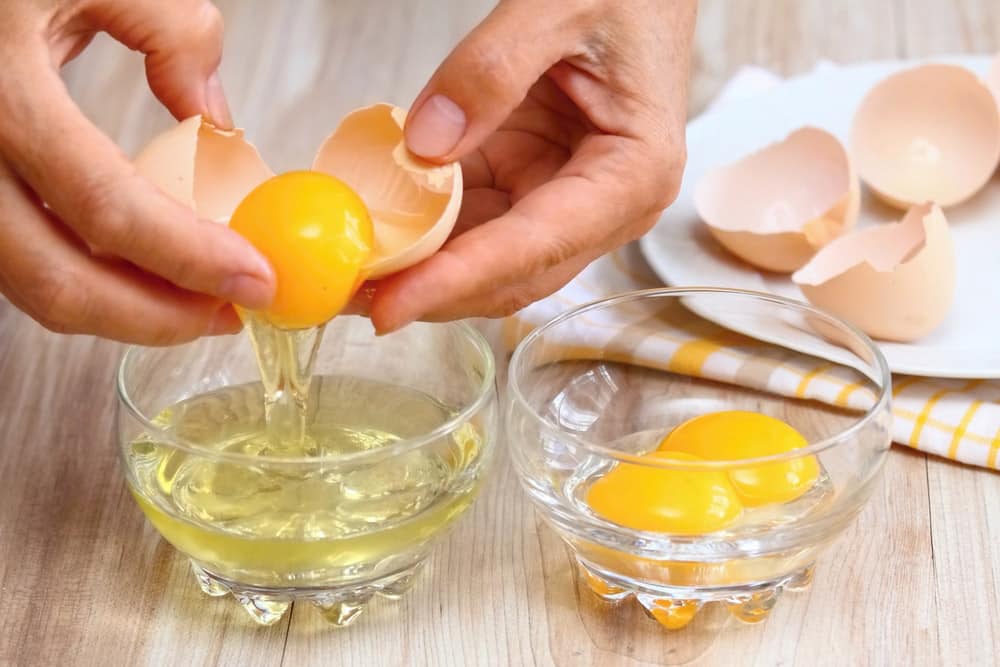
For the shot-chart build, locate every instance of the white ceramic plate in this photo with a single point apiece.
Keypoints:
(681, 252)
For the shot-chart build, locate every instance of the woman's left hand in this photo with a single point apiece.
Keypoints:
(568, 117)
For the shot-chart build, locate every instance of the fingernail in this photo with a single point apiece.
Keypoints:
(383, 330)
(226, 321)
(246, 290)
(218, 107)
(437, 127)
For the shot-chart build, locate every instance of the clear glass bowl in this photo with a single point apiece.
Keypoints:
(403, 429)
(597, 387)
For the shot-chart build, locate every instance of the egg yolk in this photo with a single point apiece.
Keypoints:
(645, 497)
(317, 234)
(736, 434)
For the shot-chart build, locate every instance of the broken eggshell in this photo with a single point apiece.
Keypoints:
(774, 208)
(896, 282)
(929, 133)
(413, 204)
(205, 168)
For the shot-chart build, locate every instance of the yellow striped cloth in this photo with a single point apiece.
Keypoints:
(956, 419)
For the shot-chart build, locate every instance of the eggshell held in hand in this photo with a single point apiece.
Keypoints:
(207, 169)
(413, 204)
(929, 133)
(896, 282)
(775, 207)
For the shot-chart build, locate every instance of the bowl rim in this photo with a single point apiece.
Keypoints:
(485, 392)
(881, 368)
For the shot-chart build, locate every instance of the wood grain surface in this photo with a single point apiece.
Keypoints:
(84, 580)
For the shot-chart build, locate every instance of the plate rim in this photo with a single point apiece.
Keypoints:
(975, 61)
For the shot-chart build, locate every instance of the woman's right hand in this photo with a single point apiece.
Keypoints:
(87, 245)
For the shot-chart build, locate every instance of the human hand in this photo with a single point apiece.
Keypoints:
(86, 245)
(568, 117)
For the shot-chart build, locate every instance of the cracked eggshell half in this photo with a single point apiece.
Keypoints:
(774, 208)
(205, 168)
(413, 204)
(896, 282)
(928, 133)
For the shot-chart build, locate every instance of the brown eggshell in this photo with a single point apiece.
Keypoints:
(896, 282)
(774, 208)
(203, 167)
(413, 204)
(929, 133)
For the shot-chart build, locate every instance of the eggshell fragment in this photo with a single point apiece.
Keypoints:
(896, 282)
(413, 204)
(774, 208)
(203, 167)
(929, 133)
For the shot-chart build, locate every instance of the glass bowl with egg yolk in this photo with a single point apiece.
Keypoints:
(697, 449)
(287, 470)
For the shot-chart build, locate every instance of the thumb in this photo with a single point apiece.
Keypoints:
(486, 77)
(182, 40)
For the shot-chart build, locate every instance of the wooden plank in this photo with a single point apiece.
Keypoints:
(963, 500)
(929, 28)
(965, 512)
(84, 580)
(479, 602)
(786, 36)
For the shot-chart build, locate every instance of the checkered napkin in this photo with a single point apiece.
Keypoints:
(956, 419)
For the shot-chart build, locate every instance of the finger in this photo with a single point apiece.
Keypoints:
(91, 186)
(478, 207)
(590, 206)
(487, 75)
(476, 171)
(51, 276)
(182, 41)
(509, 299)
(225, 321)
(361, 302)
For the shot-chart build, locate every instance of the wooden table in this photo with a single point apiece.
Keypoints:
(84, 580)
